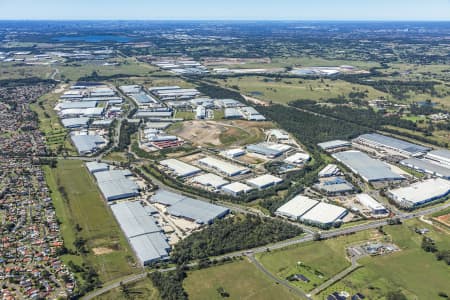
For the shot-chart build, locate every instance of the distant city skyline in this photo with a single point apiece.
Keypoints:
(376, 10)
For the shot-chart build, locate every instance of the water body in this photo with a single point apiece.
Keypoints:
(94, 38)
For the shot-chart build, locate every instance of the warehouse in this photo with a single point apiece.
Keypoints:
(279, 134)
(142, 231)
(330, 171)
(115, 184)
(223, 167)
(334, 145)
(375, 207)
(145, 114)
(324, 215)
(94, 167)
(296, 207)
(441, 156)
(233, 153)
(181, 169)
(427, 166)
(130, 89)
(268, 150)
(232, 113)
(264, 181)
(297, 158)
(200, 112)
(211, 180)
(184, 207)
(75, 122)
(102, 123)
(87, 144)
(251, 114)
(229, 103)
(142, 98)
(236, 188)
(371, 170)
(420, 193)
(382, 142)
(81, 104)
(333, 186)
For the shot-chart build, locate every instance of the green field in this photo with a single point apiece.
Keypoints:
(240, 279)
(116, 156)
(142, 289)
(290, 89)
(417, 273)
(77, 201)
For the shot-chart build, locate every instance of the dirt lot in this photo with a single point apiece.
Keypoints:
(445, 219)
(221, 134)
(102, 250)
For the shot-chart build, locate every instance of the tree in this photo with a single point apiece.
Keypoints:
(396, 295)
(428, 244)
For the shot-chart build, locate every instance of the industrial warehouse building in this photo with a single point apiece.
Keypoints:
(334, 145)
(333, 186)
(268, 150)
(115, 184)
(184, 207)
(375, 207)
(297, 158)
(296, 207)
(94, 167)
(143, 233)
(211, 180)
(223, 167)
(382, 142)
(264, 181)
(236, 188)
(371, 170)
(440, 156)
(75, 122)
(179, 168)
(428, 166)
(232, 153)
(420, 193)
(87, 144)
(324, 215)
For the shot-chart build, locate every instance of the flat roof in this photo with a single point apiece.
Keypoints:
(150, 247)
(368, 168)
(210, 179)
(369, 202)
(441, 154)
(390, 142)
(87, 143)
(297, 207)
(223, 166)
(422, 191)
(334, 144)
(75, 122)
(115, 185)
(427, 166)
(94, 166)
(264, 180)
(180, 168)
(324, 213)
(237, 187)
(80, 104)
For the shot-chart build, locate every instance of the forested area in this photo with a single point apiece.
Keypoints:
(233, 234)
(170, 284)
(126, 130)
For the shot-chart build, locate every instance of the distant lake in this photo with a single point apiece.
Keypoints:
(94, 38)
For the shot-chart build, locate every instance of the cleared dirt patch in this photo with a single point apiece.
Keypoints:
(102, 250)
(445, 219)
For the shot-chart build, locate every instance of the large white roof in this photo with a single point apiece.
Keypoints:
(422, 191)
(369, 202)
(223, 166)
(297, 207)
(210, 179)
(180, 168)
(237, 187)
(324, 213)
(264, 180)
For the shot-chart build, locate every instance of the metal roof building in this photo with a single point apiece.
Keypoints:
(373, 205)
(296, 207)
(143, 114)
(87, 144)
(130, 89)
(379, 141)
(420, 193)
(181, 206)
(181, 169)
(264, 181)
(232, 153)
(210, 179)
(115, 184)
(428, 166)
(143, 98)
(324, 215)
(441, 156)
(232, 113)
(371, 170)
(94, 167)
(334, 186)
(297, 158)
(236, 188)
(335, 144)
(75, 122)
(267, 150)
(224, 167)
(78, 104)
(143, 233)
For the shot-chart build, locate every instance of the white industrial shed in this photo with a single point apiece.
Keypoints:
(87, 144)
(297, 158)
(420, 193)
(223, 167)
(441, 156)
(143, 233)
(94, 167)
(181, 169)
(264, 181)
(115, 184)
(324, 215)
(236, 189)
(75, 122)
(210, 179)
(296, 207)
(375, 207)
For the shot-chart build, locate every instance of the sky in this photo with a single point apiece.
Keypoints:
(226, 9)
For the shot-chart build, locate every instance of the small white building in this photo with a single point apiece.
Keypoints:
(264, 181)
(236, 189)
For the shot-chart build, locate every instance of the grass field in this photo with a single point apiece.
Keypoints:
(116, 156)
(77, 201)
(290, 89)
(240, 279)
(319, 260)
(142, 289)
(417, 273)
